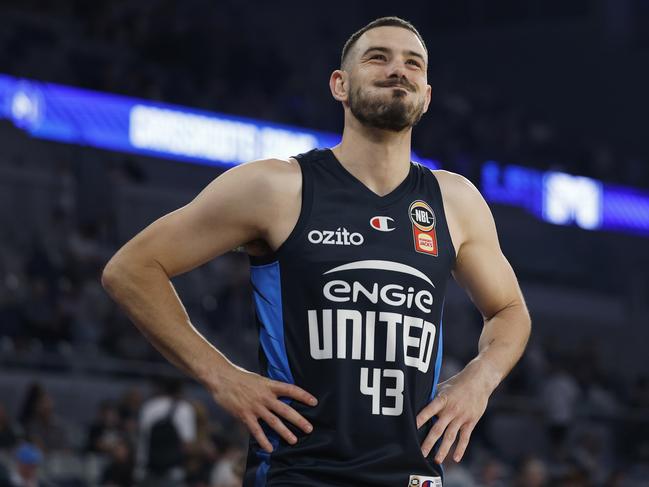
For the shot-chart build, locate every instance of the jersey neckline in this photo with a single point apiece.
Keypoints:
(384, 200)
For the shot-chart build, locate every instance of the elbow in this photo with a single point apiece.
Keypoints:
(110, 276)
(123, 272)
(527, 324)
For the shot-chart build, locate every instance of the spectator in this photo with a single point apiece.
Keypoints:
(638, 471)
(202, 452)
(129, 406)
(167, 428)
(228, 472)
(457, 474)
(119, 471)
(8, 430)
(493, 473)
(640, 393)
(573, 477)
(532, 473)
(40, 424)
(24, 473)
(560, 394)
(589, 453)
(104, 432)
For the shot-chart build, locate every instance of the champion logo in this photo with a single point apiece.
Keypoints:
(382, 223)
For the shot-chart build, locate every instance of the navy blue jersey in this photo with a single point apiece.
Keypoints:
(349, 308)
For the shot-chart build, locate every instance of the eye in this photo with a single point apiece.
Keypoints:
(416, 63)
(377, 56)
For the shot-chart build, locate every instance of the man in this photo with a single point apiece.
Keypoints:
(350, 251)
(25, 471)
(167, 426)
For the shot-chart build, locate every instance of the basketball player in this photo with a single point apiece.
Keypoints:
(350, 250)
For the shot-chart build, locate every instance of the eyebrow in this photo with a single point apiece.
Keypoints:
(388, 50)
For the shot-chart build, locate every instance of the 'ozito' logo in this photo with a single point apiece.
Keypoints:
(335, 237)
(422, 215)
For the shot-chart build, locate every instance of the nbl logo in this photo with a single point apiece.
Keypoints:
(422, 216)
(423, 222)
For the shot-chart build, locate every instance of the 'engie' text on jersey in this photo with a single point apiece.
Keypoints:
(375, 335)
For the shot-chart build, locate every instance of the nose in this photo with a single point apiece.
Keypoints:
(397, 69)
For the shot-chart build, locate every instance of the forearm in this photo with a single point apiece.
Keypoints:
(149, 299)
(501, 345)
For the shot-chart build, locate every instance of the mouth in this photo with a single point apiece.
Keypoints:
(396, 87)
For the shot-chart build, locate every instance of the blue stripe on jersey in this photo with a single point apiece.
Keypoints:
(267, 292)
(438, 360)
(438, 367)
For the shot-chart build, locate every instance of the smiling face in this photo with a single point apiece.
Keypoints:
(385, 83)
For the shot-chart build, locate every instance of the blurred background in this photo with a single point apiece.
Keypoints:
(115, 113)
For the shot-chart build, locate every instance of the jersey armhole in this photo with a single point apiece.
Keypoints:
(298, 229)
(451, 250)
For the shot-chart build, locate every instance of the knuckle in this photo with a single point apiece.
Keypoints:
(283, 409)
(259, 410)
(453, 408)
(277, 389)
(248, 419)
(300, 394)
(292, 413)
(449, 438)
(269, 394)
(436, 430)
(467, 429)
(465, 419)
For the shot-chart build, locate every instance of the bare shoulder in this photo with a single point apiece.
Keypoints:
(265, 182)
(269, 171)
(455, 186)
(464, 205)
(279, 182)
(285, 172)
(279, 190)
(241, 205)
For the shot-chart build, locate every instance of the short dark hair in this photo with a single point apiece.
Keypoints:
(380, 22)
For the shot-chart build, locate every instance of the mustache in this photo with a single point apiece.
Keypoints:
(396, 83)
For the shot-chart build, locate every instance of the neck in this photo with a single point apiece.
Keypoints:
(380, 159)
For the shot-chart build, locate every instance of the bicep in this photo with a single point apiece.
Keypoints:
(481, 268)
(223, 216)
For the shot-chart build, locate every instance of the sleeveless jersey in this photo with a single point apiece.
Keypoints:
(349, 308)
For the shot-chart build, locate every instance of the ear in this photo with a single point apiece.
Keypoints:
(429, 91)
(338, 84)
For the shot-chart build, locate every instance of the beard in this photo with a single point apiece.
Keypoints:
(394, 113)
